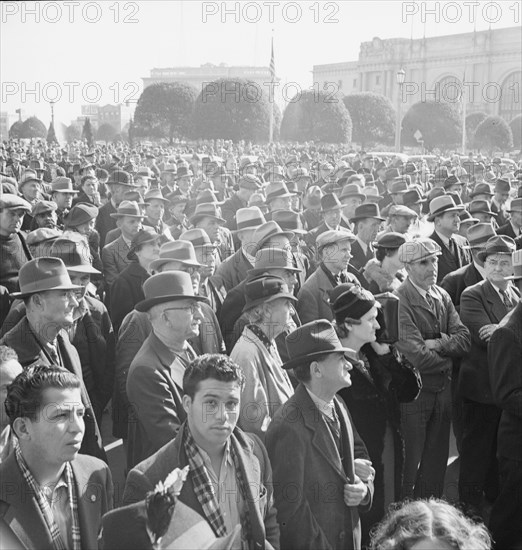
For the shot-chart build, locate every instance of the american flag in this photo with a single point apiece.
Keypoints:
(272, 63)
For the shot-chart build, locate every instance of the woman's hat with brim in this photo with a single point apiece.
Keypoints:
(176, 251)
(167, 287)
(499, 244)
(144, 236)
(80, 213)
(41, 275)
(74, 253)
(265, 288)
(311, 341)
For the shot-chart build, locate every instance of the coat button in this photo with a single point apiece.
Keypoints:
(342, 535)
(93, 498)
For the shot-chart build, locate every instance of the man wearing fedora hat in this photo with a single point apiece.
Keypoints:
(482, 308)
(41, 335)
(155, 205)
(513, 227)
(154, 382)
(505, 375)
(331, 210)
(500, 198)
(208, 217)
(367, 220)
(316, 453)
(248, 185)
(62, 193)
(431, 336)
(115, 254)
(444, 214)
(177, 219)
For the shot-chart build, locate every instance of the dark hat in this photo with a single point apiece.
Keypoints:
(75, 253)
(502, 186)
(41, 235)
(442, 204)
(145, 235)
(417, 250)
(352, 190)
(481, 206)
(249, 218)
(265, 288)
(183, 172)
(515, 206)
(277, 190)
(42, 207)
(130, 209)
(441, 173)
(466, 217)
(330, 202)
(399, 186)
(368, 210)
(134, 196)
(120, 177)
(413, 196)
(80, 213)
(14, 202)
(249, 181)
(198, 237)
(479, 234)
(450, 181)
(390, 240)
(410, 168)
(41, 275)
(499, 244)
(207, 209)
(62, 184)
(311, 341)
(167, 287)
(289, 221)
(176, 251)
(350, 300)
(481, 189)
(435, 192)
(207, 196)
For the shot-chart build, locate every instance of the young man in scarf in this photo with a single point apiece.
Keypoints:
(230, 478)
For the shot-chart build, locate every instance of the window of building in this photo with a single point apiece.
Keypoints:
(355, 83)
(510, 98)
(377, 80)
(340, 84)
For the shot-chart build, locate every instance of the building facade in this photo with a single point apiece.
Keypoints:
(482, 67)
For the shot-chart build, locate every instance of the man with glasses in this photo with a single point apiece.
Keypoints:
(155, 379)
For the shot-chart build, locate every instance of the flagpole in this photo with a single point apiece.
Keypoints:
(464, 102)
(272, 94)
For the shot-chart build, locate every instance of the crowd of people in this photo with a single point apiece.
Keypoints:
(285, 338)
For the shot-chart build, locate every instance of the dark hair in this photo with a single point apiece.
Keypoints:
(302, 371)
(381, 253)
(24, 395)
(211, 365)
(413, 521)
(7, 354)
(86, 178)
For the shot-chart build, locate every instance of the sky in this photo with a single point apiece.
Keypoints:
(83, 52)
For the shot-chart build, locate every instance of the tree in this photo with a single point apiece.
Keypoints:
(72, 133)
(472, 121)
(87, 133)
(516, 130)
(313, 116)
(373, 118)
(494, 133)
(234, 109)
(15, 130)
(106, 132)
(165, 110)
(439, 123)
(33, 127)
(51, 135)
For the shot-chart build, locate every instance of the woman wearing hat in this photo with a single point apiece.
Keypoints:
(269, 307)
(379, 383)
(385, 272)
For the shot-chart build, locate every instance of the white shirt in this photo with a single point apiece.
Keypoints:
(443, 238)
(326, 408)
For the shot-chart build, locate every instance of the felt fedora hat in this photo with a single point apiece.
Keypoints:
(74, 253)
(129, 209)
(498, 244)
(198, 237)
(479, 234)
(352, 190)
(41, 275)
(167, 287)
(289, 220)
(267, 231)
(155, 194)
(265, 288)
(176, 251)
(61, 184)
(441, 205)
(311, 341)
(249, 218)
(273, 258)
(481, 206)
(330, 202)
(367, 210)
(207, 210)
(277, 190)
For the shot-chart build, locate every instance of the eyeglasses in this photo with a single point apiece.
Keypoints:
(194, 308)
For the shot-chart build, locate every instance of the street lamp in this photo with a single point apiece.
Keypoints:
(401, 75)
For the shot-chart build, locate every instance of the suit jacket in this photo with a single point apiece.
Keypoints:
(104, 221)
(155, 389)
(306, 462)
(507, 229)
(479, 305)
(21, 522)
(417, 323)
(126, 292)
(312, 300)
(23, 340)
(232, 271)
(502, 215)
(254, 465)
(216, 296)
(447, 261)
(456, 282)
(229, 209)
(114, 258)
(359, 258)
(267, 385)
(505, 374)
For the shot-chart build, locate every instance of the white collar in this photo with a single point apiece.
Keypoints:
(443, 238)
(323, 406)
(364, 246)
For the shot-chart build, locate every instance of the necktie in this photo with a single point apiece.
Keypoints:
(430, 302)
(53, 353)
(506, 299)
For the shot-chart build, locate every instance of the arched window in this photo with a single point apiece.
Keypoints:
(449, 89)
(510, 105)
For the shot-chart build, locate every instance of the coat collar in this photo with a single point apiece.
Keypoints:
(497, 310)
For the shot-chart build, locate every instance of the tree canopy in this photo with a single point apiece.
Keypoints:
(494, 133)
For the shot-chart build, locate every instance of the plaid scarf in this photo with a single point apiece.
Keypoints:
(205, 491)
(45, 507)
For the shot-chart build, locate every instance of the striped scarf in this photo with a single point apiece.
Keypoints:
(45, 507)
(204, 490)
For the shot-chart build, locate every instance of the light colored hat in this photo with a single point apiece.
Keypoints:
(417, 250)
(401, 210)
(441, 205)
(249, 218)
(176, 251)
(332, 236)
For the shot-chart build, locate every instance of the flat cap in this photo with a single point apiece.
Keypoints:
(332, 237)
(401, 210)
(417, 250)
(42, 207)
(7, 200)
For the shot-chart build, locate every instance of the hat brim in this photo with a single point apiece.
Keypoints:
(83, 269)
(120, 183)
(490, 213)
(287, 234)
(155, 264)
(361, 196)
(162, 199)
(59, 287)
(65, 191)
(198, 217)
(127, 216)
(431, 217)
(259, 301)
(357, 218)
(146, 304)
(483, 254)
(292, 363)
(340, 207)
